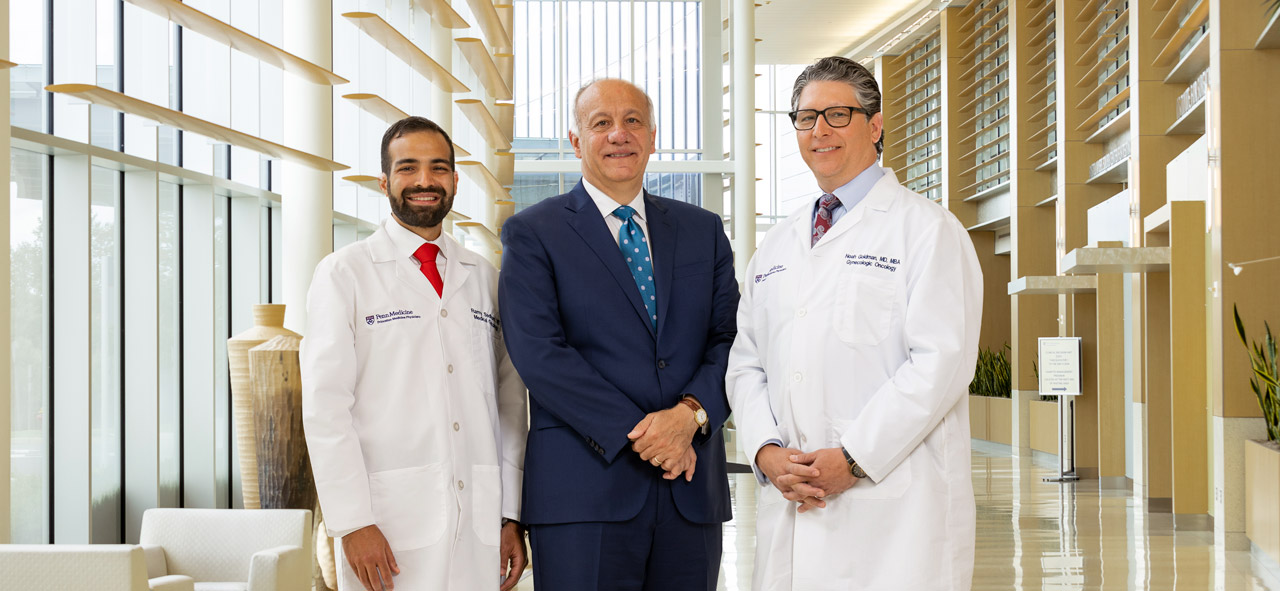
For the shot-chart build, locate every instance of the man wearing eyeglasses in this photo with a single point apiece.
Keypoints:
(857, 338)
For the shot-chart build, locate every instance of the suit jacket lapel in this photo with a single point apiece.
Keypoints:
(590, 226)
(662, 243)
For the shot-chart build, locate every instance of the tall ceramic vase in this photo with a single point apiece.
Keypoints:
(284, 471)
(268, 322)
(284, 468)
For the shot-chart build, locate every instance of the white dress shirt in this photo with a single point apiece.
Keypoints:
(606, 204)
(408, 242)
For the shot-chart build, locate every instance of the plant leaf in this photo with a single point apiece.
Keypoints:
(1239, 325)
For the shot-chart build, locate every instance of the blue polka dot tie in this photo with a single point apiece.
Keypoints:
(635, 249)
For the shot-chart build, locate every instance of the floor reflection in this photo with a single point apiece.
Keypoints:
(1055, 537)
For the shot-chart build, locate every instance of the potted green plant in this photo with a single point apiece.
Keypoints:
(1262, 458)
(990, 396)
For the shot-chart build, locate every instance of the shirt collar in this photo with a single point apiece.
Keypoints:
(606, 204)
(407, 243)
(852, 192)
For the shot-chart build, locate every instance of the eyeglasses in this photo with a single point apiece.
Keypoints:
(805, 119)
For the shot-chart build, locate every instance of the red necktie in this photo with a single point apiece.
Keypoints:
(426, 254)
(822, 221)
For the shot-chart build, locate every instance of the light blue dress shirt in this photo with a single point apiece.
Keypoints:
(851, 193)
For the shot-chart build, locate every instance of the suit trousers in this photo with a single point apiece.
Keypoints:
(657, 550)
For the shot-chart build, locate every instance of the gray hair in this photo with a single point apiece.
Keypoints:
(577, 98)
(842, 69)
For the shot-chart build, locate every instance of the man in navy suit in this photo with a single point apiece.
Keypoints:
(618, 312)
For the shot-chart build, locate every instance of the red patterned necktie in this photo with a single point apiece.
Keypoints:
(822, 221)
(426, 254)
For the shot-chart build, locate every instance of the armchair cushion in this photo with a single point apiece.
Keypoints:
(156, 565)
(70, 567)
(276, 568)
(218, 548)
(171, 583)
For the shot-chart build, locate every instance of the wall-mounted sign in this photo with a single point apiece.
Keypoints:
(1059, 366)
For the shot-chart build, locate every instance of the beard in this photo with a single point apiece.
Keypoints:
(421, 216)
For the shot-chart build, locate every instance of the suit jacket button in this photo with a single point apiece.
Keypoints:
(662, 364)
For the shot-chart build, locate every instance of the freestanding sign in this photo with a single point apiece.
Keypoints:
(1059, 369)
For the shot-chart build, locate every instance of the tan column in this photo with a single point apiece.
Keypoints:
(1083, 323)
(1158, 441)
(1152, 150)
(1075, 197)
(1188, 403)
(307, 195)
(1031, 228)
(1242, 122)
(1110, 362)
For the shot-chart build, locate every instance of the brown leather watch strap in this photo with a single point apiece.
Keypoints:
(691, 402)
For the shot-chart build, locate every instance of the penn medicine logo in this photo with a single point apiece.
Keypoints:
(369, 320)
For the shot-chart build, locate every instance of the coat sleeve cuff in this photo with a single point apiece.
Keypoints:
(760, 477)
(512, 480)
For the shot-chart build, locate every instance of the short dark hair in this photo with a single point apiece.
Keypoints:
(843, 69)
(411, 124)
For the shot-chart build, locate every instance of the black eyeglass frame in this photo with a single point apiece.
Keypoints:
(823, 114)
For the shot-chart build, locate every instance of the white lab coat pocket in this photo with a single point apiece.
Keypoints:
(409, 505)
(486, 504)
(864, 308)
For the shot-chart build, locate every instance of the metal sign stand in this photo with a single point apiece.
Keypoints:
(1066, 441)
(1060, 374)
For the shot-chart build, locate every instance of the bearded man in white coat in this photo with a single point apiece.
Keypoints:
(415, 418)
(857, 338)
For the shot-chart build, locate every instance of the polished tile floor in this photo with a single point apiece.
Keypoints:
(1059, 537)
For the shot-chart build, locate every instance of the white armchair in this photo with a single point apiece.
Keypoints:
(75, 567)
(230, 549)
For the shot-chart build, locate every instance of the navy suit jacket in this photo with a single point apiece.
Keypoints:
(580, 338)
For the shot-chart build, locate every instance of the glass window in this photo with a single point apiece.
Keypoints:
(104, 123)
(530, 188)
(655, 44)
(170, 342)
(28, 30)
(28, 315)
(105, 357)
(222, 332)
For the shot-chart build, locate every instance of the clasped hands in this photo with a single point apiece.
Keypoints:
(806, 478)
(664, 439)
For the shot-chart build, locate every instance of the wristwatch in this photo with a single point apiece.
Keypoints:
(854, 468)
(699, 413)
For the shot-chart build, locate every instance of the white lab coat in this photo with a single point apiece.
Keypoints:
(868, 342)
(415, 418)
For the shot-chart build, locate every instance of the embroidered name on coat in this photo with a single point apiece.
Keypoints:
(874, 261)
